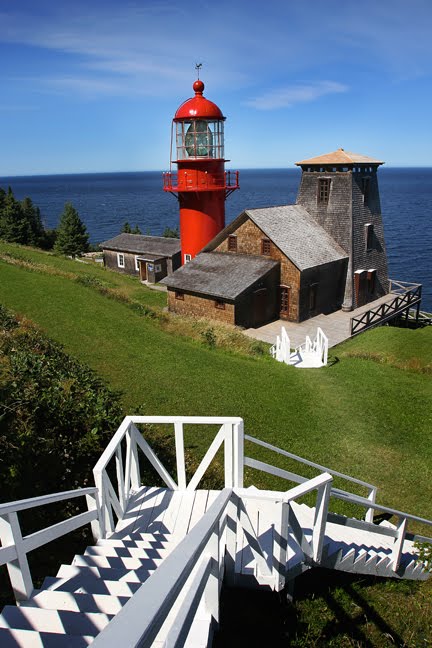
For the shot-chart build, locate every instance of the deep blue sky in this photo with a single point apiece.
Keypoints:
(93, 86)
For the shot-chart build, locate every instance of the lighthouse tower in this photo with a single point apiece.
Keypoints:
(201, 182)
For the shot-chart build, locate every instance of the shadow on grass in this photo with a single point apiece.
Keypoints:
(330, 609)
(332, 360)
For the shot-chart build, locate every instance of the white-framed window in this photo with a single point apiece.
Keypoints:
(187, 258)
(158, 267)
(136, 264)
(120, 260)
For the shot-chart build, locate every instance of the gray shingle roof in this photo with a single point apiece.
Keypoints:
(159, 246)
(295, 232)
(219, 274)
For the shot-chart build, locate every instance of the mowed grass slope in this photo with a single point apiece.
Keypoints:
(364, 416)
(368, 414)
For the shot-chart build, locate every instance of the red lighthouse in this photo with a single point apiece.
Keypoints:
(201, 182)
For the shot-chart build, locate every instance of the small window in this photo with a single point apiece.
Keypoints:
(323, 190)
(284, 300)
(369, 235)
(179, 295)
(220, 304)
(136, 264)
(265, 246)
(365, 190)
(158, 267)
(120, 260)
(187, 258)
(232, 243)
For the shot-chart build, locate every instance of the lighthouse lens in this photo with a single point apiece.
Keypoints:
(199, 139)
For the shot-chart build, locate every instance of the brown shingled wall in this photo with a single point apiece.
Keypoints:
(200, 307)
(249, 237)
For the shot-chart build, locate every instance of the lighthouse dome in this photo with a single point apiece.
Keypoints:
(198, 106)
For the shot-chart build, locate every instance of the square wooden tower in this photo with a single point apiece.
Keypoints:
(340, 191)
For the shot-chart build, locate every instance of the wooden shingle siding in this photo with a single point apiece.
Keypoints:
(345, 216)
(249, 238)
(200, 306)
(111, 262)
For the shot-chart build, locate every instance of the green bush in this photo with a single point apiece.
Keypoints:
(56, 415)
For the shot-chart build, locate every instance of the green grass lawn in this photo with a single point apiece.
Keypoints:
(368, 414)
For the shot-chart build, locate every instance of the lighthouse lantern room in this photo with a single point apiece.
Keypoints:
(201, 182)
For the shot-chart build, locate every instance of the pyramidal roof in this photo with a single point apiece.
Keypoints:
(340, 157)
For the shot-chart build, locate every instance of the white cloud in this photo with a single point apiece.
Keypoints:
(300, 93)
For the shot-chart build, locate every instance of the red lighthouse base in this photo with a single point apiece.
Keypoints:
(202, 216)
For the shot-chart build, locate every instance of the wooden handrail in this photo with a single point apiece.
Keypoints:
(42, 500)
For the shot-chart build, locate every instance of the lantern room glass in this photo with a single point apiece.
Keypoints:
(200, 138)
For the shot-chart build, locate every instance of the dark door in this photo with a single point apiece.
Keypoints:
(259, 307)
(143, 270)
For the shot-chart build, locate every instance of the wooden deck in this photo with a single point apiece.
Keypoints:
(336, 325)
(161, 511)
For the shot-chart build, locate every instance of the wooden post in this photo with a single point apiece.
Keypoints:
(211, 593)
(120, 478)
(398, 543)
(231, 538)
(238, 451)
(98, 531)
(135, 474)
(280, 541)
(372, 498)
(19, 571)
(228, 454)
(321, 510)
(179, 446)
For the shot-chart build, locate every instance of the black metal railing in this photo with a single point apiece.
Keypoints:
(407, 294)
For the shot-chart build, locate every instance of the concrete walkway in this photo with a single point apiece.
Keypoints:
(336, 326)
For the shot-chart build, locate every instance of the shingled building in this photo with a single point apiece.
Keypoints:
(324, 253)
(149, 257)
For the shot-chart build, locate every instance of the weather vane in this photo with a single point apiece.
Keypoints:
(198, 67)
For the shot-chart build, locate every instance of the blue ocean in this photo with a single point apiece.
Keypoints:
(106, 200)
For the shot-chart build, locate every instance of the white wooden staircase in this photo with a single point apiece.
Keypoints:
(312, 354)
(154, 575)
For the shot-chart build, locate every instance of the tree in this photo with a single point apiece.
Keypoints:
(20, 222)
(136, 230)
(126, 229)
(72, 235)
(171, 233)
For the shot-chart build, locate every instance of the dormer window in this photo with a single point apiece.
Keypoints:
(323, 190)
(232, 243)
(265, 246)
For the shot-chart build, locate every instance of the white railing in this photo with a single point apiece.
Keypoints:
(193, 572)
(15, 546)
(290, 476)
(368, 503)
(282, 349)
(128, 442)
(318, 347)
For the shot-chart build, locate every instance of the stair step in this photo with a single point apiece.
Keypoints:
(116, 562)
(81, 585)
(53, 621)
(150, 537)
(76, 602)
(123, 575)
(156, 543)
(126, 552)
(12, 638)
